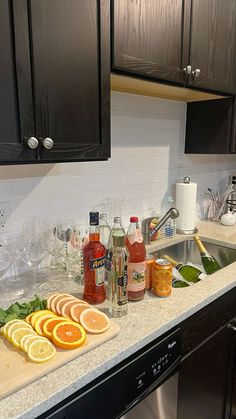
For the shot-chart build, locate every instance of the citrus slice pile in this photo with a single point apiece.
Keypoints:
(72, 308)
(23, 336)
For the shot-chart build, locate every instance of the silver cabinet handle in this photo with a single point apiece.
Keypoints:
(47, 143)
(32, 143)
(230, 326)
(196, 73)
(188, 69)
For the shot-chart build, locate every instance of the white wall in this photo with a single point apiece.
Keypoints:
(147, 159)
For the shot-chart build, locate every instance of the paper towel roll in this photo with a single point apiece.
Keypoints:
(186, 194)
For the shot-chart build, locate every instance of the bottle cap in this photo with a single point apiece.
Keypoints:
(103, 216)
(133, 219)
(94, 218)
(117, 220)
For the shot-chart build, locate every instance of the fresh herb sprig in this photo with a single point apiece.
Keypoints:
(21, 310)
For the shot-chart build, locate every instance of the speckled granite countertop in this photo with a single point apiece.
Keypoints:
(158, 316)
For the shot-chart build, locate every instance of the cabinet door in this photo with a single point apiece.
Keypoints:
(148, 38)
(213, 44)
(203, 379)
(16, 116)
(208, 127)
(71, 69)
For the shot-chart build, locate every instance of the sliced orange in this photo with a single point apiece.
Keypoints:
(49, 299)
(57, 298)
(37, 314)
(76, 310)
(68, 335)
(66, 308)
(94, 321)
(38, 326)
(60, 303)
(50, 324)
(41, 350)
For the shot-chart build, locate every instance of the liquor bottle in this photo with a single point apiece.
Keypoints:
(94, 264)
(117, 265)
(104, 230)
(137, 261)
(188, 272)
(210, 264)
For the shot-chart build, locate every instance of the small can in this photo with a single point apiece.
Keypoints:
(150, 270)
(162, 284)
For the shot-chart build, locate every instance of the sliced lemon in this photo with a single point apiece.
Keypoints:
(41, 350)
(28, 339)
(24, 337)
(7, 326)
(17, 335)
(16, 326)
(37, 314)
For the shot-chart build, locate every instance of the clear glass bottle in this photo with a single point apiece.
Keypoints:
(104, 230)
(210, 264)
(94, 264)
(117, 266)
(137, 261)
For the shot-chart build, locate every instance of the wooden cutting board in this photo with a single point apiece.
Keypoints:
(17, 370)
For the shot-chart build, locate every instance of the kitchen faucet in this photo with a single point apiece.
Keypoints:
(148, 232)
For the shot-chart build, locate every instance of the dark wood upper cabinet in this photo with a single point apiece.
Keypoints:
(148, 38)
(158, 39)
(213, 45)
(16, 115)
(70, 55)
(209, 127)
(54, 80)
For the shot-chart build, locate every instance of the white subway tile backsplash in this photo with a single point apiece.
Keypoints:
(147, 159)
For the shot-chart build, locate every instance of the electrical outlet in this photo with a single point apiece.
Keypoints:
(4, 215)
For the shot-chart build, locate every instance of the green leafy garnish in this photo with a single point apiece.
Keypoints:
(21, 310)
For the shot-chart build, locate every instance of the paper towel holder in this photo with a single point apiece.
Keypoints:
(186, 179)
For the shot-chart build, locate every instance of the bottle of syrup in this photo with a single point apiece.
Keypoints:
(137, 261)
(94, 264)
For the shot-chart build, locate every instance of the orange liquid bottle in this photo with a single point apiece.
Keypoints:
(94, 264)
(137, 261)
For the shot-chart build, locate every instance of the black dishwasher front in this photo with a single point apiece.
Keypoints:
(120, 391)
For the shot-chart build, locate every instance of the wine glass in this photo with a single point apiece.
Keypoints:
(31, 250)
(11, 286)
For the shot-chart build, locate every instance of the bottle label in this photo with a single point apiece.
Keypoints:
(136, 276)
(97, 265)
(136, 237)
(108, 260)
(122, 282)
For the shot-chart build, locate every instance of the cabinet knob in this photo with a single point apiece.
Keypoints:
(32, 143)
(232, 327)
(188, 69)
(47, 143)
(196, 73)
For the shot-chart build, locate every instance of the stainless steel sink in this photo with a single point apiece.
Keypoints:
(187, 251)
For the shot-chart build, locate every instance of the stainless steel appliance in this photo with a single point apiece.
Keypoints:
(149, 399)
(144, 386)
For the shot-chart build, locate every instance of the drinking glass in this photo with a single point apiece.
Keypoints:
(30, 249)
